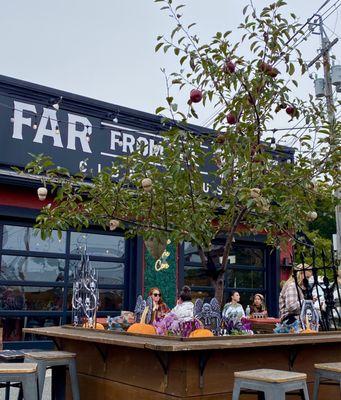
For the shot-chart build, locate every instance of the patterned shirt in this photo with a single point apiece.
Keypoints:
(288, 301)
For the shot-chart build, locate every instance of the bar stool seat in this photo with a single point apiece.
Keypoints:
(26, 374)
(327, 371)
(56, 360)
(273, 383)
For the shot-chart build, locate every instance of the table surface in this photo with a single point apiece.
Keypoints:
(172, 344)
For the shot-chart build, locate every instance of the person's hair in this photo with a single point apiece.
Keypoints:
(262, 306)
(150, 293)
(232, 293)
(185, 294)
(299, 274)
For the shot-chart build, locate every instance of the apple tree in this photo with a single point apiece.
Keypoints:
(254, 185)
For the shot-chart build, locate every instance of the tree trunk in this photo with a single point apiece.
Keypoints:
(219, 285)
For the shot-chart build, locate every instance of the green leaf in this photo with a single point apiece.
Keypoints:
(159, 109)
(158, 46)
(291, 68)
(190, 25)
(183, 59)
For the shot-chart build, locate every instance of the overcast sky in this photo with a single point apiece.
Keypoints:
(104, 49)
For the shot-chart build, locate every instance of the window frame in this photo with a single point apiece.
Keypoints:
(64, 314)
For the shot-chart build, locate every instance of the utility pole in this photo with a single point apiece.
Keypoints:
(326, 45)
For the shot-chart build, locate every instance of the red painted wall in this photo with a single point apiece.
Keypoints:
(20, 197)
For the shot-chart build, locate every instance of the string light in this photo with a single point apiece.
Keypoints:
(57, 128)
(273, 144)
(35, 125)
(87, 134)
(55, 103)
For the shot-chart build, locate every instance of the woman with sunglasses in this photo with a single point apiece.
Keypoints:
(160, 308)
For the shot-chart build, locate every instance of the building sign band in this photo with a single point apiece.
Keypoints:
(74, 141)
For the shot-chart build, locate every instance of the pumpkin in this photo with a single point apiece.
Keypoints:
(141, 328)
(98, 326)
(201, 333)
(308, 330)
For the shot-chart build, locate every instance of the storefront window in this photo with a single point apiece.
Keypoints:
(28, 239)
(44, 271)
(244, 278)
(97, 245)
(31, 298)
(245, 271)
(32, 269)
(109, 273)
(196, 276)
(109, 299)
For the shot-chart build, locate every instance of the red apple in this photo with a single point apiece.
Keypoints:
(231, 118)
(273, 72)
(195, 95)
(229, 66)
(264, 67)
(290, 110)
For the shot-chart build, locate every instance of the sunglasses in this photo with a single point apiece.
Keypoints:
(156, 294)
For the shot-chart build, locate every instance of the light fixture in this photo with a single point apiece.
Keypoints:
(113, 117)
(273, 143)
(87, 134)
(35, 125)
(12, 120)
(57, 128)
(55, 102)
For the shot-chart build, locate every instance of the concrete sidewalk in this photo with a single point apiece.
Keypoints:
(46, 393)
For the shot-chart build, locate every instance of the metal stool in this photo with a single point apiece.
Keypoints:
(273, 383)
(58, 361)
(329, 371)
(26, 374)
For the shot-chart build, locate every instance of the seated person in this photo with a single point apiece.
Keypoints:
(233, 309)
(184, 306)
(160, 308)
(258, 306)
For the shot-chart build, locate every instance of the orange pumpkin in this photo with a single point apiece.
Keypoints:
(141, 328)
(201, 333)
(308, 330)
(98, 326)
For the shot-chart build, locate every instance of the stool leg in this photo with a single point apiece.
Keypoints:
(305, 391)
(316, 386)
(30, 389)
(236, 390)
(7, 390)
(74, 379)
(273, 394)
(41, 370)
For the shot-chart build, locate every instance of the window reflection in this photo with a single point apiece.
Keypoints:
(110, 300)
(28, 239)
(196, 276)
(191, 253)
(31, 298)
(245, 278)
(109, 273)
(12, 327)
(32, 268)
(97, 245)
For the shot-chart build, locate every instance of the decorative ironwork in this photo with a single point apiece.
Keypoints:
(85, 295)
(321, 285)
(140, 307)
(208, 314)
